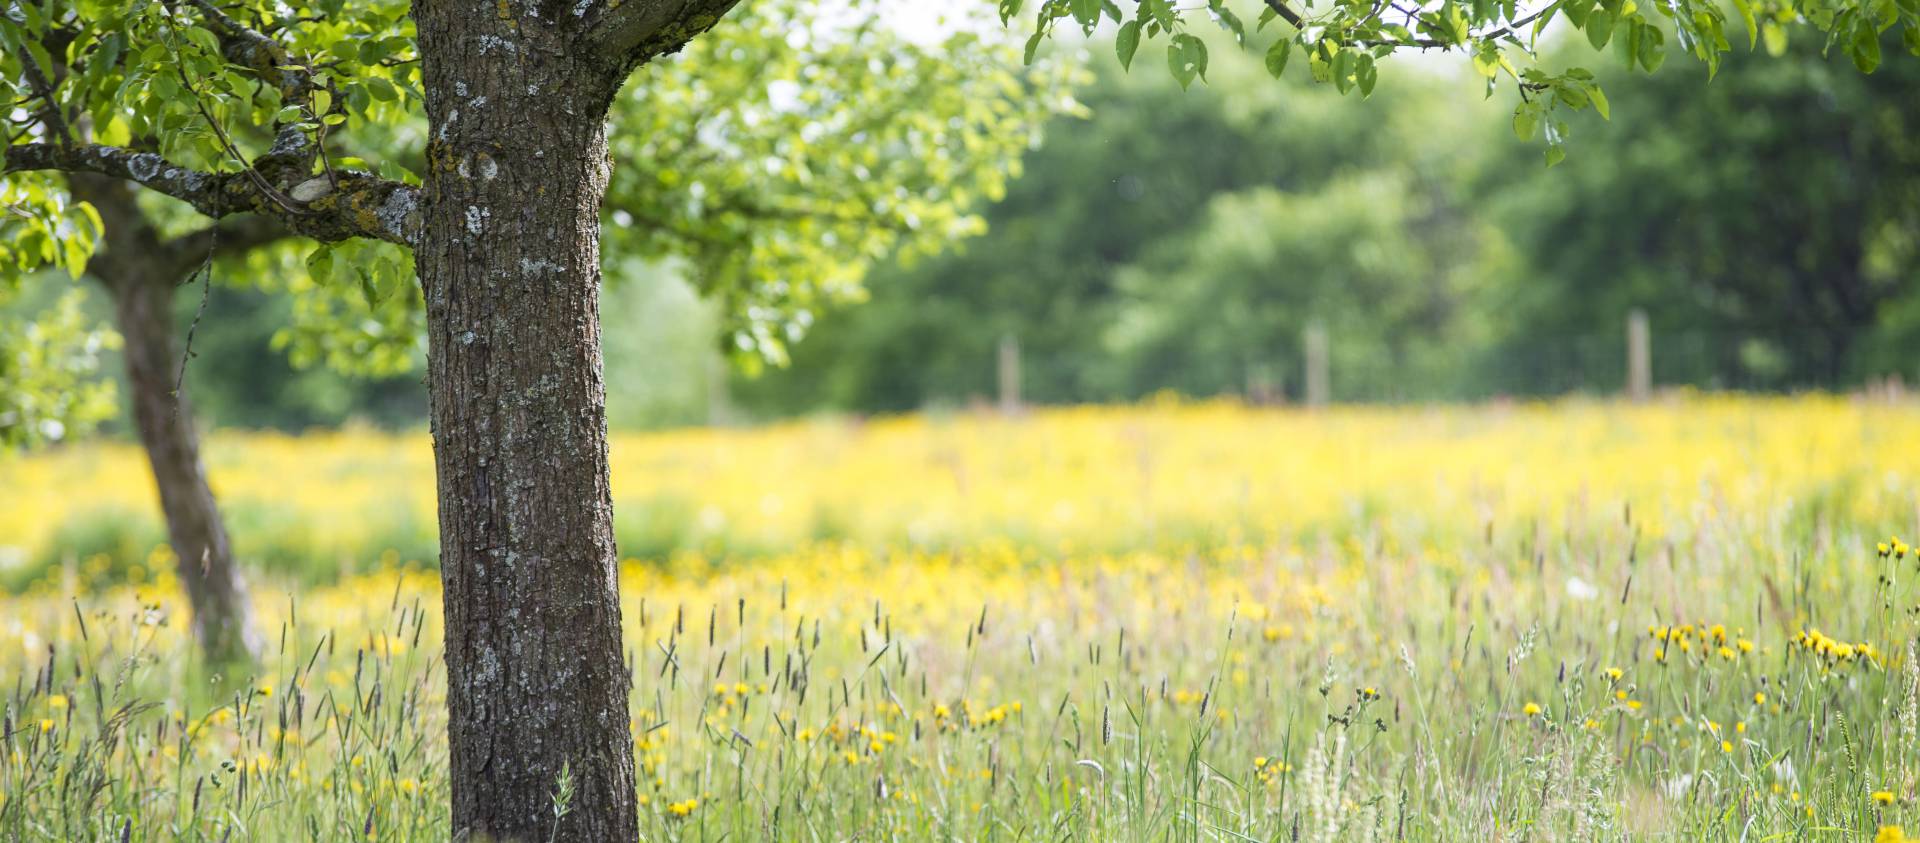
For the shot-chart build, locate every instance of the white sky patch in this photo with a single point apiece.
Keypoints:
(923, 23)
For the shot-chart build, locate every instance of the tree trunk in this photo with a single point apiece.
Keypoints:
(509, 262)
(222, 611)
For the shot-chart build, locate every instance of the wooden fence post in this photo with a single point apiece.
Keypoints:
(719, 402)
(1314, 346)
(1639, 356)
(1009, 374)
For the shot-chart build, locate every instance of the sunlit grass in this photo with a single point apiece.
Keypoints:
(1568, 622)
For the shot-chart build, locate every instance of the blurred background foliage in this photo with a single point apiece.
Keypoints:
(1767, 220)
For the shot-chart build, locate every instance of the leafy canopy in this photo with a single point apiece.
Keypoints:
(1342, 41)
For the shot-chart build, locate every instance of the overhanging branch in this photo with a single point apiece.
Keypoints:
(1510, 30)
(352, 205)
(1286, 13)
(630, 33)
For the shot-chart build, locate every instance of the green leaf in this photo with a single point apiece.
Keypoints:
(1556, 154)
(1365, 74)
(1086, 12)
(1576, 11)
(1232, 23)
(1865, 49)
(41, 61)
(381, 89)
(1526, 121)
(206, 41)
(1599, 99)
(1197, 53)
(1651, 50)
(1187, 58)
(74, 254)
(320, 264)
(1126, 43)
(358, 100)
(165, 88)
(1745, 8)
(1278, 54)
(373, 51)
(1775, 36)
(1599, 28)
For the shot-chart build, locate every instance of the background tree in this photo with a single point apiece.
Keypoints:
(1527, 262)
(49, 365)
(1132, 255)
(1764, 220)
(1369, 259)
(50, 359)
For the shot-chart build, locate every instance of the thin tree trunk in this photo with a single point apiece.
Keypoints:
(139, 271)
(509, 262)
(217, 593)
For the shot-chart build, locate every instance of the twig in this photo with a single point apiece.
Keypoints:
(206, 293)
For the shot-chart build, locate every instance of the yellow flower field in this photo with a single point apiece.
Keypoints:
(1567, 621)
(1067, 480)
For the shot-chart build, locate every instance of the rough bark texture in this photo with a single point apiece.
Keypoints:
(352, 205)
(509, 262)
(217, 593)
(140, 271)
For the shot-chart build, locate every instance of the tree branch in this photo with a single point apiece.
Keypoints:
(359, 205)
(225, 239)
(1511, 30)
(630, 33)
(253, 50)
(1286, 13)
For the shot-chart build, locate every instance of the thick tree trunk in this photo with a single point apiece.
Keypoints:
(509, 261)
(216, 592)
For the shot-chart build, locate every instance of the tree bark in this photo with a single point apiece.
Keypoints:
(509, 262)
(216, 592)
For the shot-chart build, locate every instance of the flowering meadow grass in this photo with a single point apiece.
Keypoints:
(1569, 621)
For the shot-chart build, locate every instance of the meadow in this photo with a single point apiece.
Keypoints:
(1579, 620)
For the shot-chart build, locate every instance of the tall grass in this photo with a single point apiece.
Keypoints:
(1713, 660)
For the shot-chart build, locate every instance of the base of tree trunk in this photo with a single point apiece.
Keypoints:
(216, 591)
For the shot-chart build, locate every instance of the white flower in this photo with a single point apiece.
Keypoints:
(1580, 589)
